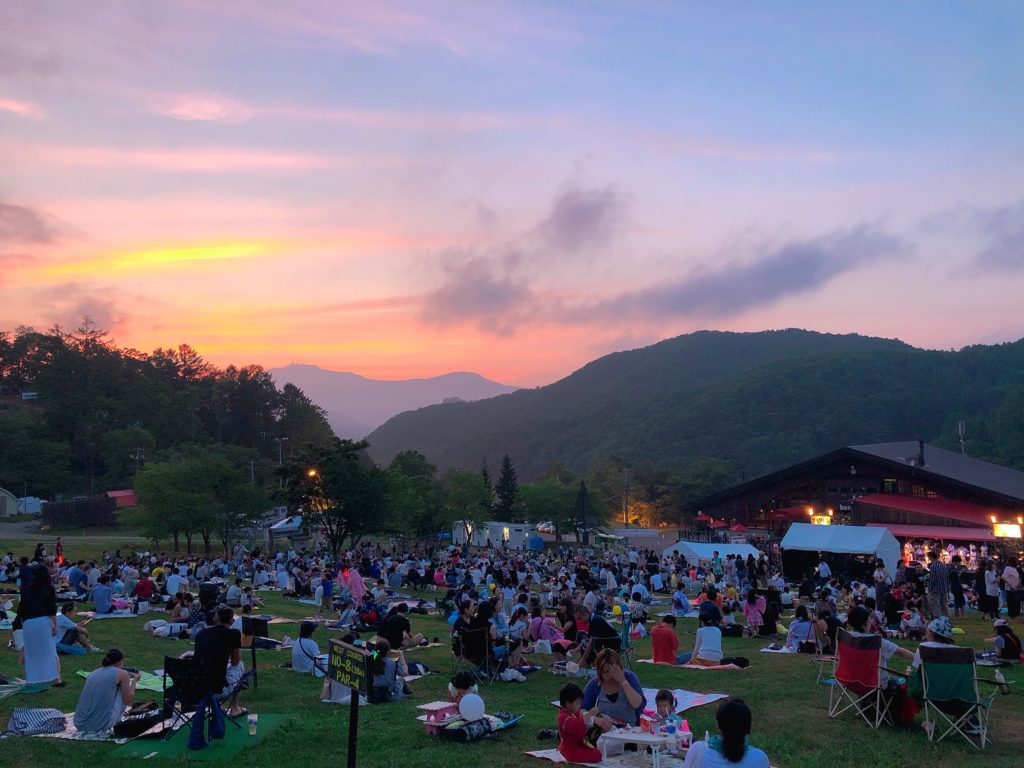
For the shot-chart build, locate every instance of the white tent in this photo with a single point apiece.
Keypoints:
(288, 525)
(700, 551)
(844, 540)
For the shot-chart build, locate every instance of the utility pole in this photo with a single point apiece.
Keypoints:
(280, 458)
(252, 472)
(625, 496)
(963, 438)
(138, 454)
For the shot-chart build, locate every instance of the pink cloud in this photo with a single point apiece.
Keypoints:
(202, 107)
(209, 159)
(211, 107)
(22, 108)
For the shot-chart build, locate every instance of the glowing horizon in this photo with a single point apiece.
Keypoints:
(402, 191)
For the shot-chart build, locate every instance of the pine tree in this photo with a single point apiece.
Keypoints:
(507, 490)
(488, 505)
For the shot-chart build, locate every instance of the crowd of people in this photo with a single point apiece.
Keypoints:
(562, 601)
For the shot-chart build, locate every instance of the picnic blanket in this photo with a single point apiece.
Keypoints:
(684, 699)
(116, 615)
(783, 649)
(638, 759)
(70, 732)
(687, 666)
(426, 604)
(147, 682)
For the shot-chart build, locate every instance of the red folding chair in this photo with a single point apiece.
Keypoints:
(856, 679)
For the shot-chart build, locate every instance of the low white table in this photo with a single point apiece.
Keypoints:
(635, 735)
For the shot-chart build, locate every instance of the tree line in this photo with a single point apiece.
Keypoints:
(210, 450)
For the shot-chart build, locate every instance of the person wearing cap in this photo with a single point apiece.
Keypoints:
(938, 633)
(1007, 644)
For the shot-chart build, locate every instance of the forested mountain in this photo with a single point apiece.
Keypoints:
(356, 405)
(80, 416)
(758, 401)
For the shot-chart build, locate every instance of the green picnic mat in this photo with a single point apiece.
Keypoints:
(148, 681)
(176, 748)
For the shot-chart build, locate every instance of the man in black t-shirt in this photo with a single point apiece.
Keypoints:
(221, 646)
(397, 630)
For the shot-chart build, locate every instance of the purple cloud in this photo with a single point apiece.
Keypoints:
(583, 218)
(789, 269)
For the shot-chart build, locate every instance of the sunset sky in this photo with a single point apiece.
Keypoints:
(405, 189)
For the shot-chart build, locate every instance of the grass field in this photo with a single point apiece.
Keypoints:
(790, 721)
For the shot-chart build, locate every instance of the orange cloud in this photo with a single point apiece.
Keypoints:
(147, 260)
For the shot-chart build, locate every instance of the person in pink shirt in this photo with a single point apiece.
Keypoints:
(350, 577)
(753, 611)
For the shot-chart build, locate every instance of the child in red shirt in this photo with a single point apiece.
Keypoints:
(572, 729)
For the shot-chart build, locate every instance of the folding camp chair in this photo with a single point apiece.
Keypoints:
(626, 643)
(856, 679)
(952, 700)
(190, 684)
(476, 654)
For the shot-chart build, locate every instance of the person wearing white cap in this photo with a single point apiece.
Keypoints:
(1007, 644)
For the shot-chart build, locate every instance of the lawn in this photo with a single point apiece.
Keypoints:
(790, 721)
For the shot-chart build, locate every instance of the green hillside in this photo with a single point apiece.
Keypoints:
(756, 400)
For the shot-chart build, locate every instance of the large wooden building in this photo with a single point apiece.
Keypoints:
(914, 489)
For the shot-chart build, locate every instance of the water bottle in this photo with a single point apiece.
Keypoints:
(670, 743)
(1001, 679)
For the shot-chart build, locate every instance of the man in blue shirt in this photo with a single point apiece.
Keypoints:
(78, 580)
(102, 595)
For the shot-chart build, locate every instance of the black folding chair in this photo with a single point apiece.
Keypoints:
(475, 652)
(190, 680)
(253, 628)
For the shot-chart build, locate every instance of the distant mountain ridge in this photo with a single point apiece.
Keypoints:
(356, 405)
(757, 400)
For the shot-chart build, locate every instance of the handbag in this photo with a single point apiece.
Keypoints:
(132, 725)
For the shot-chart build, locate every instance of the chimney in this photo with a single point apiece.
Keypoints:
(920, 453)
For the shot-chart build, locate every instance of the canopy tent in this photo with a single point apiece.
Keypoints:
(698, 551)
(288, 525)
(844, 540)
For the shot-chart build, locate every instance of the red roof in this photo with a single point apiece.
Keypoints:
(702, 517)
(738, 528)
(936, 507)
(123, 498)
(719, 524)
(945, 532)
(792, 514)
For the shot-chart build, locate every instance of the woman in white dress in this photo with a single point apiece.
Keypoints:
(37, 610)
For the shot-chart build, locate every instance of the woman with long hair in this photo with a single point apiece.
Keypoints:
(37, 610)
(729, 749)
